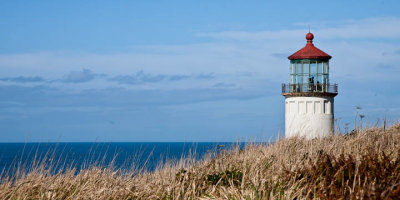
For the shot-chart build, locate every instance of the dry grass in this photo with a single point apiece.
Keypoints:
(364, 165)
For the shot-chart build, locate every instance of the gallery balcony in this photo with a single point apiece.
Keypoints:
(306, 89)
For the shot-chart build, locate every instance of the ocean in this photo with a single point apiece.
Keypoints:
(146, 155)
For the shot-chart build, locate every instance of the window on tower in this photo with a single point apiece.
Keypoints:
(319, 69)
(306, 69)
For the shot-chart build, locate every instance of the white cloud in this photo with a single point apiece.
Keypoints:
(23, 79)
(355, 29)
(262, 56)
(79, 76)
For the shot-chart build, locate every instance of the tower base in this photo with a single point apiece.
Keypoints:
(309, 116)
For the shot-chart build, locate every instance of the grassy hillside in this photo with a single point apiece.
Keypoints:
(363, 165)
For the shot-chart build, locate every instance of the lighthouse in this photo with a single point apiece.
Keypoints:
(309, 97)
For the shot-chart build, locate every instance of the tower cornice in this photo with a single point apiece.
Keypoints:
(309, 94)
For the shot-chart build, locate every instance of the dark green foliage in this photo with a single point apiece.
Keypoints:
(167, 197)
(180, 175)
(226, 178)
(274, 189)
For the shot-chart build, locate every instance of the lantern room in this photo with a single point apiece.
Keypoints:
(309, 70)
(309, 75)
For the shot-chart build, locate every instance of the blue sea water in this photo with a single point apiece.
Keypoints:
(81, 155)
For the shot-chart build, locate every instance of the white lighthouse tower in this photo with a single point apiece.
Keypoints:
(309, 97)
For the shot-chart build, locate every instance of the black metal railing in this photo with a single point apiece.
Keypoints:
(307, 87)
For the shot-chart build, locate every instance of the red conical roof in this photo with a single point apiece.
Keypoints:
(310, 51)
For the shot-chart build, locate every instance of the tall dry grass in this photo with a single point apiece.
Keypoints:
(363, 165)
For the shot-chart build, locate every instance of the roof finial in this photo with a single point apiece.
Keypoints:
(309, 29)
(309, 37)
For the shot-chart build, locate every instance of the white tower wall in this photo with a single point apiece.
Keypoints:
(311, 117)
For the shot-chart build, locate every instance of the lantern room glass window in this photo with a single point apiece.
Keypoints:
(309, 75)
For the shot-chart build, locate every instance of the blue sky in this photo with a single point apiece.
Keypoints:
(135, 71)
